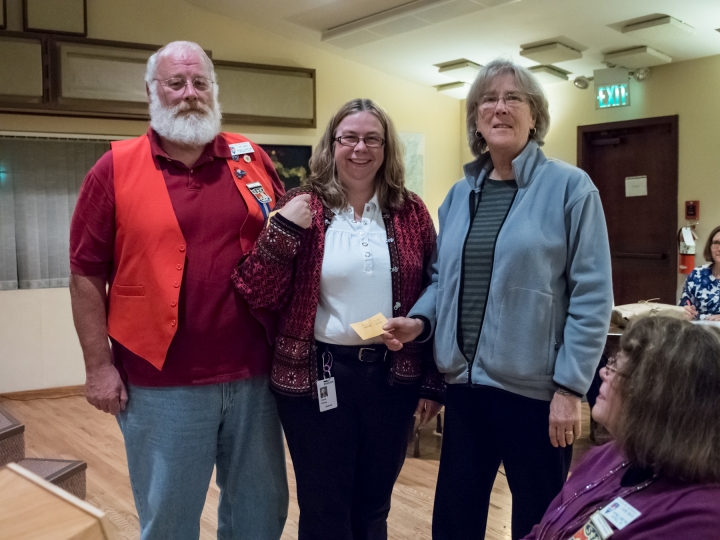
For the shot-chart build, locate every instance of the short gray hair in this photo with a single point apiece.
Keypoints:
(525, 82)
(176, 47)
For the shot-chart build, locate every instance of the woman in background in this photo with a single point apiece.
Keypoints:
(659, 399)
(701, 294)
(352, 243)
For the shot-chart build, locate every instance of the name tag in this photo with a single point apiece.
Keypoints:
(620, 513)
(327, 398)
(238, 149)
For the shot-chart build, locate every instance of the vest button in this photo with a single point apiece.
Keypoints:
(179, 267)
(176, 284)
(182, 247)
(173, 322)
(173, 303)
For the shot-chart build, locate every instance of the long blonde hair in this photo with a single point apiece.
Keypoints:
(390, 178)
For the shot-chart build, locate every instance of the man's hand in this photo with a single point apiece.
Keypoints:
(103, 387)
(298, 211)
(105, 390)
(427, 409)
(399, 330)
(564, 420)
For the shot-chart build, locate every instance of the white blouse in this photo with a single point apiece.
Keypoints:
(355, 283)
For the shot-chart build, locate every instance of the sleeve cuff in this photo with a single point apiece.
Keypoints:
(560, 389)
(287, 224)
(427, 328)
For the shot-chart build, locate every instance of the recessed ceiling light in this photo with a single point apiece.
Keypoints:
(460, 70)
(551, 53)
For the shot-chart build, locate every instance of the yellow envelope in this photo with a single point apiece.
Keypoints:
(371, 327)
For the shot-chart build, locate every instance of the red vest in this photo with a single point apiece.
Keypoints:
(149, 255)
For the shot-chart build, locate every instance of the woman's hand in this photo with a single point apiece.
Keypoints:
(713, 318)
(399, 330)
(298, 211)
(564, 420)
(427, 409)
(690, 312)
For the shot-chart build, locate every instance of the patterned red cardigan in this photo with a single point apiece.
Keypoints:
(282, 274)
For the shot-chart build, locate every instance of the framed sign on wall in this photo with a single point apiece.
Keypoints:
(67, 17)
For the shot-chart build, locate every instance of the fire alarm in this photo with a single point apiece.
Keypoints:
(692, 210)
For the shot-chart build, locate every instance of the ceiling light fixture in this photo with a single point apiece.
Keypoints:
(641, 74)
(549, 74)
(637, 57)
(458, 90)
(551, 53)
(662, 27)
(582, 82)
(460, 70)
(403, 18)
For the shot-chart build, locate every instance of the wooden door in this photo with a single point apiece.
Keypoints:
(642, 228)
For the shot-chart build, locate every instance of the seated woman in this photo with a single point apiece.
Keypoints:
(701, 295)
(351, 243)
(660, 478)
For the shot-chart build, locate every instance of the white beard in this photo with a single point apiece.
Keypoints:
(196, 128)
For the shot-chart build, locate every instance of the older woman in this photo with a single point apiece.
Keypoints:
(660, 399)
(701, 294)
(351, 244)
(519, 304)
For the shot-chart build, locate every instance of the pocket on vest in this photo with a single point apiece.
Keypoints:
(129, 290)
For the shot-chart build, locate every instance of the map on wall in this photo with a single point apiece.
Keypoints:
(414, 144)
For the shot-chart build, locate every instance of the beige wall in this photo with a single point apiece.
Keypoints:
(688, 89)
(37, 344)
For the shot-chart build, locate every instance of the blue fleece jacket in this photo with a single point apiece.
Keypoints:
(550, 297)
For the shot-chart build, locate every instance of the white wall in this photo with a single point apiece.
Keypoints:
(38, 345)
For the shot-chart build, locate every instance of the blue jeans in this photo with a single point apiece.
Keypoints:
(174, 436)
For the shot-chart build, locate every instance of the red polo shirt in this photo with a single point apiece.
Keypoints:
(217, 339)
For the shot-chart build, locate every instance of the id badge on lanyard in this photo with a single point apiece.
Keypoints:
(327, 397)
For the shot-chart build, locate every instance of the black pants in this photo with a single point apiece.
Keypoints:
(347, 459)
(485, 426)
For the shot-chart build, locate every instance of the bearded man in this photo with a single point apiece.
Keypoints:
(160, 222)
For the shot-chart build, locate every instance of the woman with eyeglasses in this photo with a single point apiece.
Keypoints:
(519, 305)
(701, 294)
(660, 477)
(351, 244)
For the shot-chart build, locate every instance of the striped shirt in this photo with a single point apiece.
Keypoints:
(495, 200)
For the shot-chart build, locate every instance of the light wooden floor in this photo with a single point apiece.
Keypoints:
(70, 428)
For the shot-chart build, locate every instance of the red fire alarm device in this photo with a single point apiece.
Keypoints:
(692, 210)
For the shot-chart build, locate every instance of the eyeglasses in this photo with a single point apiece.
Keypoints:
(512, 101)
(201, 84)
(353, 140)
(715, 243)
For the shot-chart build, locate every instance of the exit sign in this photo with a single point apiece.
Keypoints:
(612, 95)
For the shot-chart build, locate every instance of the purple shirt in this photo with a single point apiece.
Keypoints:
(217, 339)
(669, 510)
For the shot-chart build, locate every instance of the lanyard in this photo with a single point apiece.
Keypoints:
(585, 515)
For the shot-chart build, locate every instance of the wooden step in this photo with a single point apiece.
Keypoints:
(12, 438)
(64, 473)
